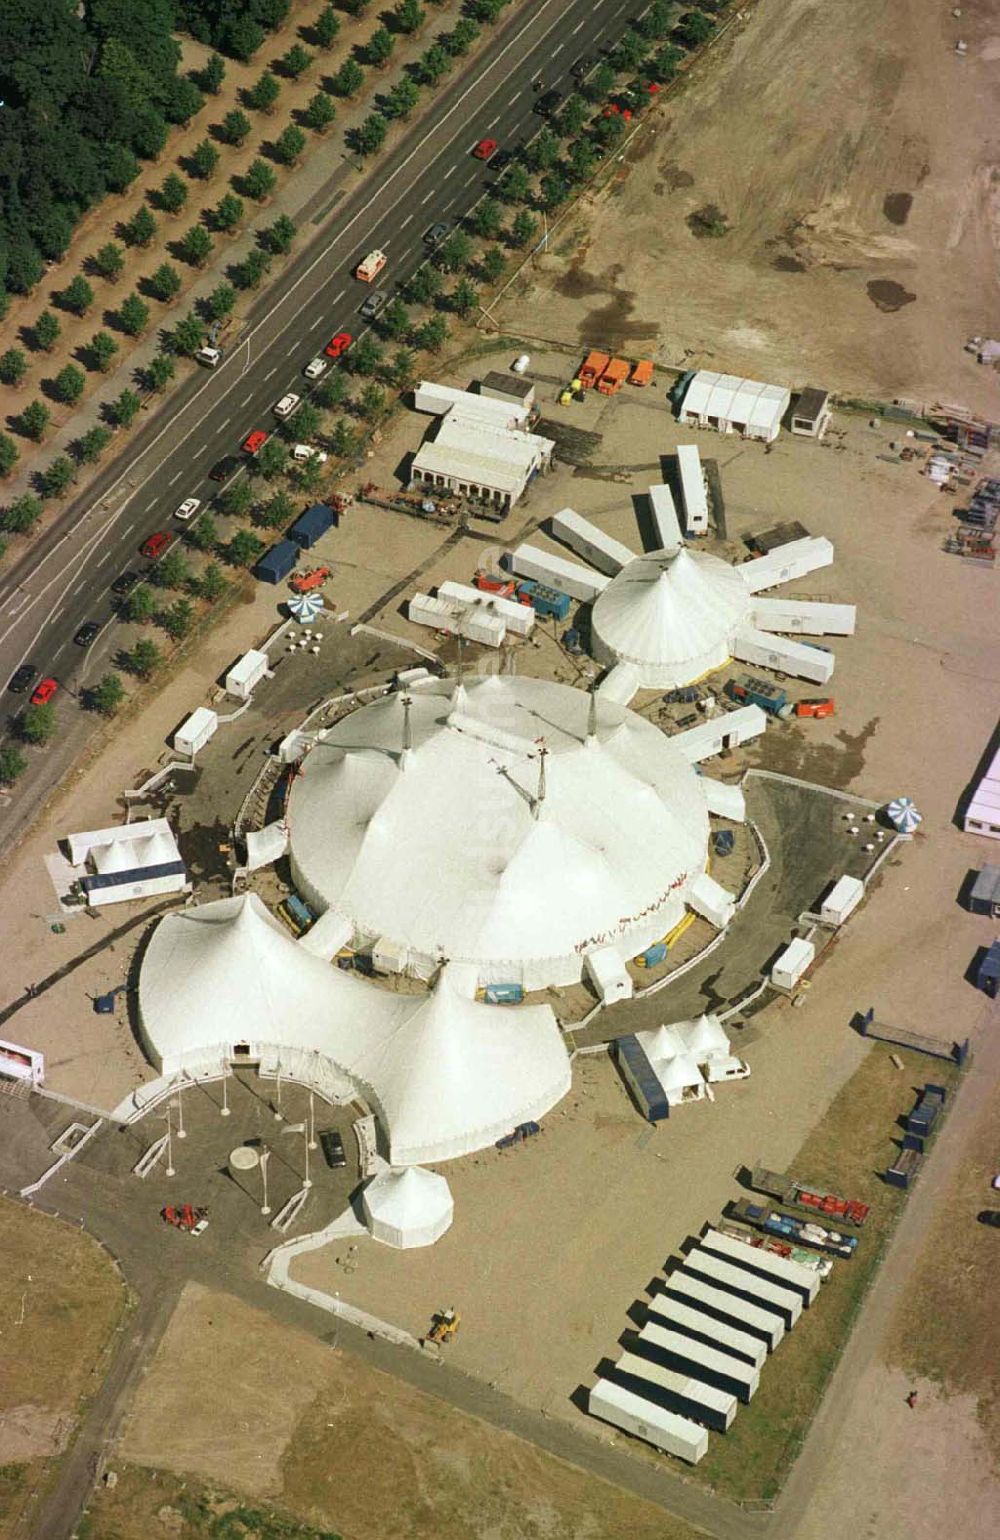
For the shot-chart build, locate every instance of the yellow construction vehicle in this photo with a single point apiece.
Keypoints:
(444, 1325)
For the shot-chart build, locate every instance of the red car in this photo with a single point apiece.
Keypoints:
(254, 441)
(44, 692)
(485, 148)
(155, 545)
(338, 345)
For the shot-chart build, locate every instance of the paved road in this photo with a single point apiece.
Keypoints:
(65, 579)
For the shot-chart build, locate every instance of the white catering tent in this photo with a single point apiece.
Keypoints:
(445, 1074)
(733, 405)
(541, 857)
(671, 615)
(409, 1207)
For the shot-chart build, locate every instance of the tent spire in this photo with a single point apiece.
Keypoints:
(536, 805)
(592, 718)
(407, 732)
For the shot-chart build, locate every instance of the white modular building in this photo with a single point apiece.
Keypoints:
(982, 815)
(842, 900)
(479, 459)
(634, 1414)
(692, 1322)
(196, 730)
(443, 827)
(789, 967)
(680, 1393)
(783, 655)
(569, 577)
(128, 862)
(607, 972)
(733, 405)
(440, 400)
(454, 618)
(794, 559)
(765, 1264)
(518, 619)
(666, 525)
(601, 550)
(694, 492)
(711, 900)
(687, 1356)
(690, 1288)
(726, 731)
(246, 674)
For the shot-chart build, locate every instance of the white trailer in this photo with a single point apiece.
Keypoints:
(804, 617)
(842, 900)
(755, 1319)
(666, 524)
(569, 577)
(518, 618)
(246, 674)
(693, 493)
(766, 1264)
(726, 731)
(792, 560)
(456, 620)
(773, 1296)
(711, 1364)
(644, 1419)
(603, 552)
(196, 730)
(438, 400)
(680, 1393)
(704, 1328)
(789, 967)
(783, 655)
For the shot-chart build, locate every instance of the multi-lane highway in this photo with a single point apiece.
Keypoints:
(431, 175)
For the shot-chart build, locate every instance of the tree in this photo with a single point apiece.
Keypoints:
(326, 27)
(331, 391)
(304, 426)
(107, 695)
(349, 78)
(434, 64)
(271, 460)
(432, 334)
(235, 127)
(12, 764)
(277, 511)
(58, 477)
(599, 85)
(38, 724)
(492, 264)
(608, 129)
(140, 229)
(78, 296)
(189, 334)
(395, 321)
(555, 190)
(582, 160)
(252, 270)
(212, 585)
(515, 184)
(203, 534)
(279, 236)
(403, 370)
(263, 94)
(69, 384)
(343, 439)
(402, 99)
(173, 194)
(461, 37)
(148, 134)
(371, 402)
(35, 419)
(464, 297)
(486, 10)
(196, 247)
(320, 113)
(236, 500)
(663, 66)
(165, 283)
(380, 47)
(220, 302)
(657, 21)
(423, 286)
(9, 454)
(369, 136)
(140, 605)
(160, 372)
(133, 315)
(243, 549)
(523, 228)
(289, 145)
(409, 16)
(109, 261)
(46, 330)
(177, 620)
(694, 29)
(259, 180)
(92, 444)
(126, 409)
(573, 116)
(543, 152)
(204, 159)
(486, 218)
(295, 62)
(241, 37)
(145, 657)
(22, 515)
(455, 252)
(103, 348)
(629, 53)
(365, 356)
(172, 571)
(212, 75)
(120, 167)
(13, 366)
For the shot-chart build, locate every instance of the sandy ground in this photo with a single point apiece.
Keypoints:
(854, 155)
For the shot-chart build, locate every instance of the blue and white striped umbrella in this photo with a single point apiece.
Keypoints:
(904, 815)
(306, 607)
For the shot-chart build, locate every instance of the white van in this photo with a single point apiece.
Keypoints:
(725, 1067)
(210, 357)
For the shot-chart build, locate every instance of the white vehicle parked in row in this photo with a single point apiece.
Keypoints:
(303, 452)
(287, 405)
(188, 508)
(316, 368)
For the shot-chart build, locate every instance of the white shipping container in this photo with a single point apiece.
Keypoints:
(792, 963)
(693, 493)
(735, 1374)
(803, 617)
(697, 1323)
(709, 899)
(664, 1430)
(792, 560)
(756, 1258)
(439, 614)
(842, 900)
(783, 655)
(666, 524)
(519, 618)
(759, 1292)
(569, 577)
(725, 731)
(715, 1408)
(481, 627)
(246, 674)
(757, 1320)
(606, 554)
(195, 732)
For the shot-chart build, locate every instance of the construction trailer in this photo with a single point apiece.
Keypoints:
(680, 1393)
(644, 1419)
(683, 1354)
(811, 413)
(602, 551)
(842, 900)
(757, 1291)
(666, 524)
(786, 562)
(727, 730)
(247, 673)
(196, 730)
(792, 963)
(690, 1289)
(694, 494)
(530, 561)
(519, 619)
(703, 1327)
(807, 617)
(783, 655)
(765, 1264)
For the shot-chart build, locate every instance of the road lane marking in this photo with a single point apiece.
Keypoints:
(515, 98)
(229, 419)
(576, 29)
(105, 558)
(430, 195)
(558, 49)
(450, 172)
(270, 374)
(244, 402)
(175, 478)
(79, 586)
(407, 221)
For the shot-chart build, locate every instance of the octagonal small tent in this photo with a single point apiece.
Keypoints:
(409, 1207)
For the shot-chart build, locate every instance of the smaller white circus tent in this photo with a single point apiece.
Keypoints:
(408, 1207)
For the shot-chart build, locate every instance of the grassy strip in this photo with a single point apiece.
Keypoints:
(145, 1502)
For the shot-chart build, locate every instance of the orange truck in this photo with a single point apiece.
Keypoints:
(369, 269)
(614, 377)
(642, 374)
(592, 368)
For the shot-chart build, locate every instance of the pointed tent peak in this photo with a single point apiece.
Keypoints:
(592, 719)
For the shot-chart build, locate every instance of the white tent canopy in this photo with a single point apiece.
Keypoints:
(408, 1207)
(734, 405)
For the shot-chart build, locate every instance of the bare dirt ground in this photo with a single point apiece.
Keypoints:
(855, 158)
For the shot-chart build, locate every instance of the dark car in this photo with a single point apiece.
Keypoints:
(332, 1146)
(990, 1216)
(375, 303)
(224, 468)
(583, 67)
(125, 583)
(86, 633)
(22, 677)
(436, 234)
(547, 103)
(501, 160)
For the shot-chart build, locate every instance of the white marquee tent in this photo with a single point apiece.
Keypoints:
(733, 405)
(409, 1207)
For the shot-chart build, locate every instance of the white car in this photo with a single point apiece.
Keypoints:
(303, 452)
(210, 357)
(188, 508)
(316, 368)
(287, 405)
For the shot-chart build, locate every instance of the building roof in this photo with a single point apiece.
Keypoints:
(519, 883)
(811, 403)
(731, 399)
(510, 384)
(472, 450)
(671, 614)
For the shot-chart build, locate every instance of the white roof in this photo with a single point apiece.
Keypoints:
(129, 837)
(520, 885)
(473, 450)
(705, 1035)
(671, 615)
(735, 400)
(408, 1207)
(446, 1074)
